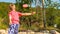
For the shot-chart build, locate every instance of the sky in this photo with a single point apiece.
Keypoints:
(13, 1)
(56, 1)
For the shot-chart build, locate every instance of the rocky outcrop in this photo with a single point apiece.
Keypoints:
(2, 31)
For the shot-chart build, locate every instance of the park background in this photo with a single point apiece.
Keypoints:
(34, 22)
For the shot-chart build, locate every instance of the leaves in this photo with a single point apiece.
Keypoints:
(33, 22)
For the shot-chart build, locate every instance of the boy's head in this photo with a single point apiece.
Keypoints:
(12, 7)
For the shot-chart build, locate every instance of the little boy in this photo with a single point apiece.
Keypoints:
(14, 19)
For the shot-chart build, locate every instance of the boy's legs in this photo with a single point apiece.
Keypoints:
(16, 28)
(13, 29)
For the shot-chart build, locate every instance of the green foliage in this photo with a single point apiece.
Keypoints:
(4, 15)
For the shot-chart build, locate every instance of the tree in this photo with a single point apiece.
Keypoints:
(46, 13)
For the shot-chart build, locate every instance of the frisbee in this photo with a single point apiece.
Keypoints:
(25, 5)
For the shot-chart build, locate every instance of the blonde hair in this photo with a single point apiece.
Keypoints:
(11, 6)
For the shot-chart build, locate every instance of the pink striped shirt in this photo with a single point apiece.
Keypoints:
(15, 16)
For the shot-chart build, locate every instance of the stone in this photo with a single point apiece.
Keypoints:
(2, 31)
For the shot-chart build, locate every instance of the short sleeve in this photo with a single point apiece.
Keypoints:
(20, 14)
(9, 13)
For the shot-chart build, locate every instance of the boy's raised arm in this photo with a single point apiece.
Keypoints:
(26, 14)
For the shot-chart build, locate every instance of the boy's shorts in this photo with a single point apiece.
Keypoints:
(13, 29)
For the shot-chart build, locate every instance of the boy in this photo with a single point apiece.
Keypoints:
(14, 19)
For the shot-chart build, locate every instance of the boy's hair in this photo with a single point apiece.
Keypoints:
(11, 6)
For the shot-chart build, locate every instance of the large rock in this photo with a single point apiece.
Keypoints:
(31, 32)
(22, 33)
(38, 33)
(57, 32)
(2, 31)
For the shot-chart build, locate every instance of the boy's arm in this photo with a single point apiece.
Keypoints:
(10, 19)
(26, 14)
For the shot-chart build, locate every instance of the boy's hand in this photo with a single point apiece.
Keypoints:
(10, 23)
(33, 13)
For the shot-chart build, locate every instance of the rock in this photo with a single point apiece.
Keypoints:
(2, 31)
(38, 33)
(57, 32)
(22, 33)
(31, 32)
